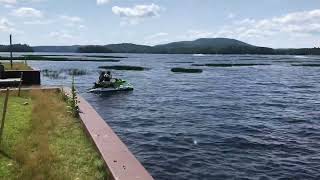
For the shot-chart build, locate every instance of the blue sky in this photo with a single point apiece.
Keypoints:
(272, 23)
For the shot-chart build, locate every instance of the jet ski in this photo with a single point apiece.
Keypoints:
(115, 85)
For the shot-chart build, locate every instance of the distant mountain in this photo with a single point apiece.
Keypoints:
(199, 46)
(204, 45)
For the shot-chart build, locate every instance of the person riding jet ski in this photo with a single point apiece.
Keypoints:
(106, 83)
(105, 79)
(108, 76)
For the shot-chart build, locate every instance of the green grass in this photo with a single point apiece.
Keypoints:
(124, 68)
(186, 70)
(43, 141)
(16, 66)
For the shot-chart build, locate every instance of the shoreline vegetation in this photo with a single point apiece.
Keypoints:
(42, 140)
(71, 55)
(199, 46)
(61, 74)
(16, 66)
(55, 58)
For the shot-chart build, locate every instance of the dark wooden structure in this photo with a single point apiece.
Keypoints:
(29, 78)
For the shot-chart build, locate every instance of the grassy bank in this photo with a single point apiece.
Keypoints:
(43, 141)
(16, 66)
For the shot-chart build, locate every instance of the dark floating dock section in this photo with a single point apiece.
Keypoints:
(186, 70)
(123, 68)
(98, 56)
(307, 65)
(180, 62)
(71, 55)
(229, 65)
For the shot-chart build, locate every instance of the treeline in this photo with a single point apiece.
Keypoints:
(131, 48)
(302, 51)
(208, 50)
(16, 48)
(93, 49)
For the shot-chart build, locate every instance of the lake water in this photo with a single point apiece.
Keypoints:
(258, 122)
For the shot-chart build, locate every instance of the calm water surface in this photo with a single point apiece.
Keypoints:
(259, 122)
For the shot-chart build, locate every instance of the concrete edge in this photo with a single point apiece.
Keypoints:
(121, 163)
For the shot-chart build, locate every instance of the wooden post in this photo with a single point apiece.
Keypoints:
(21, 76)
(11, 63)
(4, 114)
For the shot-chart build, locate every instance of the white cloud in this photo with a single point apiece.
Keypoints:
(157, 35)
(300, 28)
(8, 6)
(306, 22)
(73, 19)
(61, 35)
(101, 2)
(39, 22)
(6, 25)
(231, 15)
(196, 34)
(157, 38)
(8, 1)
(16, 1)
(27, 12)
(137, 13)
(81, 26)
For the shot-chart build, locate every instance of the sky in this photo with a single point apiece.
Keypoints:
(268, 23)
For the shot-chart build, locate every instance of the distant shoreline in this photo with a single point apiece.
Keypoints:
(199, 46)
(196, 54)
